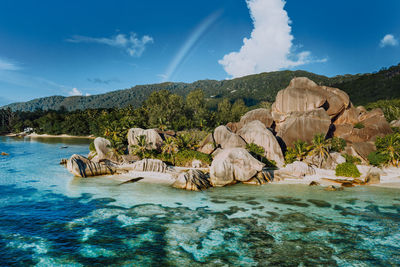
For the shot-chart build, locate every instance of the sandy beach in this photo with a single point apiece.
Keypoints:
(390, 177)
(34, 135)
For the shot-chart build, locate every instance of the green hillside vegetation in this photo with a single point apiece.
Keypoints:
(253, 89)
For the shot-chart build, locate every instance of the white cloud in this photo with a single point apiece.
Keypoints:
(133, 45)
(8, 65)
(75, 92)
(389, 40)
(270, 46)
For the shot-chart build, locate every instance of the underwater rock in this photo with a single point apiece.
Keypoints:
(333, 188)
(83, 167)
(314, 183)
(149, 165)
(194, 180)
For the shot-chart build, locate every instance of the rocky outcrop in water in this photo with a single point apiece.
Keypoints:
(149, 165)
(233, 165)
(193, 180)
(83, 167)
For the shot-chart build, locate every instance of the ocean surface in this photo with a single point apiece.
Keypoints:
(49, 218)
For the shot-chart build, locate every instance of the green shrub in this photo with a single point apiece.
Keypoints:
(337, 144)
(91, 147)
(359, 125)
(255, 149)
(299, 151)
(347, 169)
(290, 155)
(185, 157)
(377, 159)
(352, 159)
(258, 152)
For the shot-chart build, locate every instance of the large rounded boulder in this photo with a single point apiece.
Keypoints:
(303, 126)
(193, 180)
(153, 139)
(303, 95)
(104, 150)
(233, 165)
(255, 132)
(225, 138)
(149, 165)
(83, 167)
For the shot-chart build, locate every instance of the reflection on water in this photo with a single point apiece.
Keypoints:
(49, 218)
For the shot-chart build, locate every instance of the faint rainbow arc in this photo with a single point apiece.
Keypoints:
(189, 43)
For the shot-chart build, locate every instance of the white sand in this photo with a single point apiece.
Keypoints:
(35, 135)
(148, 177)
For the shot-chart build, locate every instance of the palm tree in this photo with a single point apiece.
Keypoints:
(185, 141)
(320, 148)
(170, 147)
(390, 146)
(301, 149)
(141, 148)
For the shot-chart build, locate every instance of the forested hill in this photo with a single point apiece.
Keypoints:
(362, 88)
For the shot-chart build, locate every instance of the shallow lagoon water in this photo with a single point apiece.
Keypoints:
(47, 217)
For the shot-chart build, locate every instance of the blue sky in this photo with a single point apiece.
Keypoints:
(91, 47)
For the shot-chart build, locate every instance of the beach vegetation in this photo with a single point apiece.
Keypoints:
(320, 148)
(258, 152)
(389, 147)
(347, 169)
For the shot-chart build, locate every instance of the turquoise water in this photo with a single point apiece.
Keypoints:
(49, 218)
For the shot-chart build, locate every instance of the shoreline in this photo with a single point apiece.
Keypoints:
(34, 135)
(389, 179)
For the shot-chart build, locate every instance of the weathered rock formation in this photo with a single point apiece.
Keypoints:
(104, 150)
(255, 132)
(304, 95)
(233, 165)
(261, 114)
(207, 146)
(225, 138)
(297, 169)
(83, 167)
(395, 123)
(362, 127)
(194, 180)
(149, 165)
(328, 163)
(153, 139)
(303, 125)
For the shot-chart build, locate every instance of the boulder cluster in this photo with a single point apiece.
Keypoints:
(305, 109)
(300, 111)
